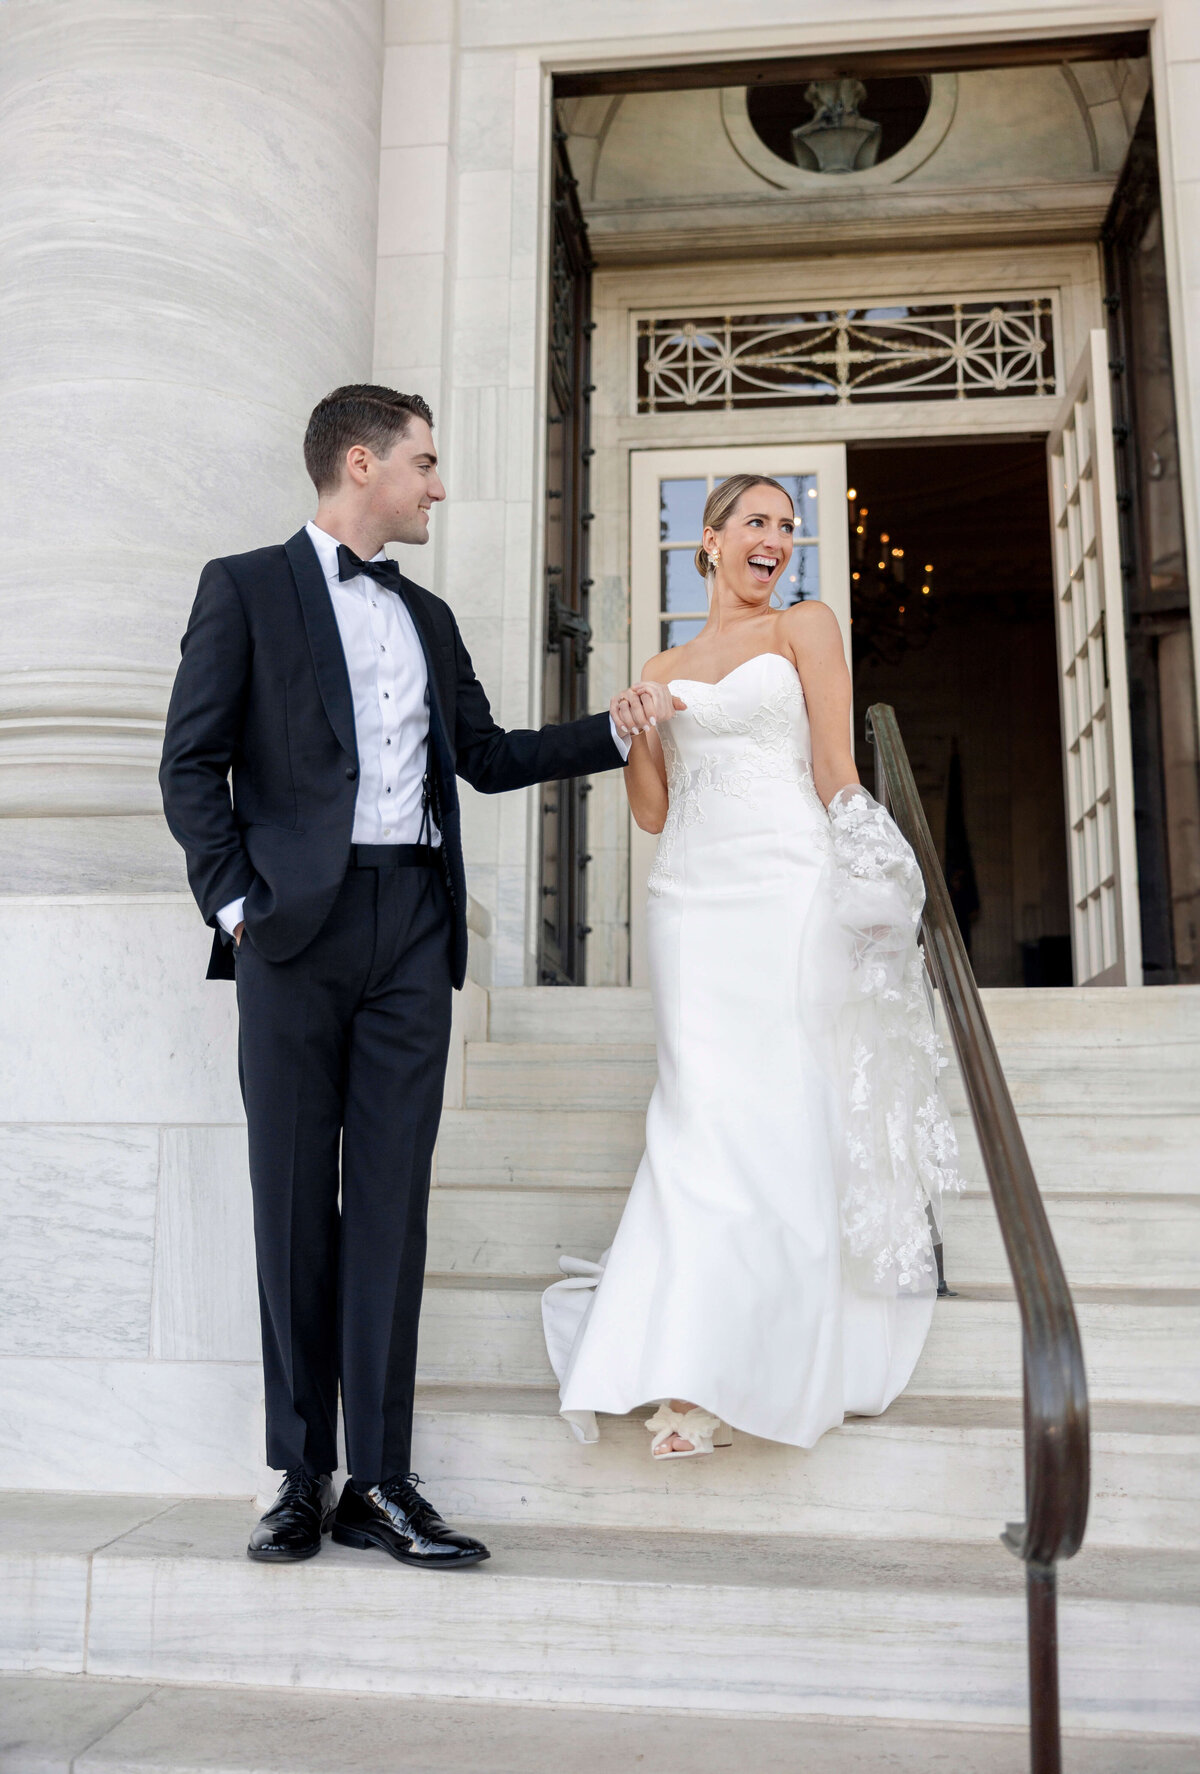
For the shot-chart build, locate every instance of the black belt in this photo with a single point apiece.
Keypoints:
(394, 856)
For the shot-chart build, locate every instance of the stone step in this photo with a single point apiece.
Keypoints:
(1104, 1017)
(90, 1725)
(716, 1623)
(932, 1468)
(1123, 1153)
(532, 1075)
(1144, 1241)
(1138, 1345)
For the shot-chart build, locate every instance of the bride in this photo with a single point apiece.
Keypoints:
(773, 1269)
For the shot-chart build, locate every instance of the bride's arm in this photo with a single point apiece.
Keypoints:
(813, 634)
(646, 771)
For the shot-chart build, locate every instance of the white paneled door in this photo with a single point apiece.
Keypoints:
(668, 602)
(1097, 758)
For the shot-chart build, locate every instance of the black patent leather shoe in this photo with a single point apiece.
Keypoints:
(293, 1525)
(395, 1517)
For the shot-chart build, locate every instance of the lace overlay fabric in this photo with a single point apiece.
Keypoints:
(899, 1147)
(771, 752)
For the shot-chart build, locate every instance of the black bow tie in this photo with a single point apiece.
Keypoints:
(383, 572)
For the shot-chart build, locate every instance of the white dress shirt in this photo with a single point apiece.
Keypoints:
(389, 686)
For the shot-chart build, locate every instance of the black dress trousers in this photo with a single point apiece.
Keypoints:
(345, 1045)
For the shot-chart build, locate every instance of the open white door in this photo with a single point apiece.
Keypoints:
(1097, 756)
(668, 602)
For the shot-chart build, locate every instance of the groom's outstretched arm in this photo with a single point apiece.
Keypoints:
(492, 759)
(204, 725)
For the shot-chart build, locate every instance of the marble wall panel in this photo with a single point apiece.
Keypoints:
(412, 199)
(205, 1285)
(481, 317)
(521, 450)
(526, 222)
(418, 21)
(408, 310)
(1181, 30)
(484, 222)
(483, 134)
(509, 944)
(107, 1017)
(1183, 97)
(76, 1260)
(416, 96)
(174, 1427)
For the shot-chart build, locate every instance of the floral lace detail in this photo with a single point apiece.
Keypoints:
(685, 789)
(772, 753)
(770, 727)
(900, 1147)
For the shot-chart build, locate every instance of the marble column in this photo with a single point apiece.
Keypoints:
(188, 211)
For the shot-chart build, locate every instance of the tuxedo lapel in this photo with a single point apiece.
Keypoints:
(325, 643)
(438, 727)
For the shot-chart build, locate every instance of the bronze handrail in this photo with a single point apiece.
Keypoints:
(1057, 1449)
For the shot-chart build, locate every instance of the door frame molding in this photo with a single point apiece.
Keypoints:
(1072, 269)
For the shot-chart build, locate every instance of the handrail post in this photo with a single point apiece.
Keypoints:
(1041, 1602)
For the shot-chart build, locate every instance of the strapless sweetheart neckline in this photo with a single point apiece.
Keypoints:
(715, 683)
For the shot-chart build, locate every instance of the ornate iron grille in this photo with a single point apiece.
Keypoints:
(948, 350)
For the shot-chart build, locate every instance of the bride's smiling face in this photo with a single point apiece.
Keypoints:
(755, 545)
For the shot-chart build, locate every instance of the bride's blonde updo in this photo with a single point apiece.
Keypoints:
(721, 503)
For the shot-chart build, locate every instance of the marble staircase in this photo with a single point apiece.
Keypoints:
(860, 1582)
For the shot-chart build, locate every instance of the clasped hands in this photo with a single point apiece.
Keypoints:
(643, 706)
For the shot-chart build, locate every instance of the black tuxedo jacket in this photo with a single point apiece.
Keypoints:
(262, 703)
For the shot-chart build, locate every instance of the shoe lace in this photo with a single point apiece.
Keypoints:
(296, 1483)
(402, 1488)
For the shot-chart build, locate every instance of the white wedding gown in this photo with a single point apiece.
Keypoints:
(774, 1261)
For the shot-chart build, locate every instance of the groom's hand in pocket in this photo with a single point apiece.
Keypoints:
(643, 706)
(237, 934)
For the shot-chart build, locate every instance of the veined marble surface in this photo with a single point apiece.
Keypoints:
(76, 1259)
(205, 1288)
(106, 1014)
(167, 1426)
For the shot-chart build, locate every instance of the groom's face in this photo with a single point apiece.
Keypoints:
(403, 486)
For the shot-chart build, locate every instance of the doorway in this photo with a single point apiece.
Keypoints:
(953, 624)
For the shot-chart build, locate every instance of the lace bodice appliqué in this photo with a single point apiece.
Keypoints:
(768, 741)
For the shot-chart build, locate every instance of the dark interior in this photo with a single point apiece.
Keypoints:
(970, 668)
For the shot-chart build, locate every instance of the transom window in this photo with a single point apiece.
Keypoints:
(982, 348)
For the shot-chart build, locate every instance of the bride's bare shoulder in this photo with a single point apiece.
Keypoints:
(810, 628)
(659, 669)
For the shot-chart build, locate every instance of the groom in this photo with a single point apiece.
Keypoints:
(340, 698)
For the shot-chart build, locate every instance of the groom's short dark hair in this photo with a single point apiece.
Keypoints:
(359, 413)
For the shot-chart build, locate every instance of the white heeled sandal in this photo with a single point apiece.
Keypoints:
(705, 1432)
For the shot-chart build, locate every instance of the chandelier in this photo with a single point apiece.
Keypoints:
(893, 608)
